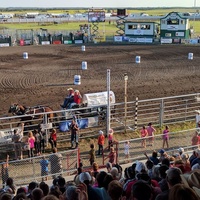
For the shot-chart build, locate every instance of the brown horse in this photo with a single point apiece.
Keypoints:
(30, 113)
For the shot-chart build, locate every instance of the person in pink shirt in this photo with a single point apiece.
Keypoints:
(31, 141)
(166, 137)
(144, 133)
(151, 130)
(110, 138)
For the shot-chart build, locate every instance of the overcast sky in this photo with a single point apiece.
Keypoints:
(99, 3)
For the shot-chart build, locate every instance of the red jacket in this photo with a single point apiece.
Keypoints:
(77, 98)
(101, 139)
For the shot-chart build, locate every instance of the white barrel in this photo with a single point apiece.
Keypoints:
(83, 48)
(84, 65)
(137, 59)
(77, 80)
(25, 55)
(190, 56)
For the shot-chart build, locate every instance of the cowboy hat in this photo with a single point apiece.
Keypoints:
(191, 179)
(197, 191)
(70, 89)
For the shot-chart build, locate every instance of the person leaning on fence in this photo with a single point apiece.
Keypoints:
(74, 133)
(165, 137)
(53, 138)
(110, 138)
(37, 142)
(44, 168)
(16, 138)
(101, 141)
(92, 156)
(42, 140)
(4, 170)
(55, 160)
(112, 156)
(195, 139)
(143, 133)
(31, 141)
(126, 151)
(151, 130)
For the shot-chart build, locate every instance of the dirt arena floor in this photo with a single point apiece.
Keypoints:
(44, 77)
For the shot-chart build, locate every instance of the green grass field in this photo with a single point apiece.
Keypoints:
(109, 29)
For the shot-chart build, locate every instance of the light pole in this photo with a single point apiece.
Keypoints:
(125, 100)
(108, 101)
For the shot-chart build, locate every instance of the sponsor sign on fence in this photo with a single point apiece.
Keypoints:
(4, 45)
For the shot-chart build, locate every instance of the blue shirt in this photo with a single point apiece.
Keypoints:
(44, 165)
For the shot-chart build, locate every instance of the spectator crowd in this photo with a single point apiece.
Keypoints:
(160, 177)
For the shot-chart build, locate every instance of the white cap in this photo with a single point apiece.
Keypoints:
(100, 132)
(181, 150)
(85, 176)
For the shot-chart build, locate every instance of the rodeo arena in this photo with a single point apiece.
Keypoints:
(42, 146)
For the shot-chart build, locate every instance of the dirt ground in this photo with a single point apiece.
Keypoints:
(44, 77)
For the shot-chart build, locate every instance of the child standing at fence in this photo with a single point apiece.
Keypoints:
(110, 138)
(53, 139)
(92, 157)
(31, 141)
(101, 140)
(144, 133)
(44, 168)
(4, 170)
(112, 156)
(151, 130)
(195, 139)
(166, 137)
(126, 151)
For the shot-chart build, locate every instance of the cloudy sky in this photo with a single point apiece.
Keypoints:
(99, 3)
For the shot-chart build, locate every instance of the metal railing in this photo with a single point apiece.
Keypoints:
(159, 111)
(176, 140)
(26, 170)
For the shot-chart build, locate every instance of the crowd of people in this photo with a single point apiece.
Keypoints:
(158, 178)
(162, 177)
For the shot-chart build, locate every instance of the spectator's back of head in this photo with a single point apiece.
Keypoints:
(100, 178)
(21, 196)
(162, 171)
(173, 176)
(21, 190)
(115, 190)
(6, 196)
(55, 191)
(140, 167)
(108, 178)
(182, 192)
(50, 197)
(141, 191)
(115, 174)
(54, 150)
(71, 193)
(32, 185)
(45, 188)
(37, 194)
(85, 177)
(149, 164)
(61, 181)
(165, 161)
